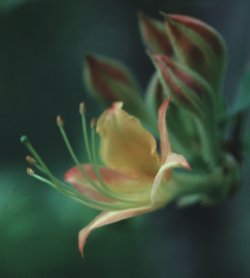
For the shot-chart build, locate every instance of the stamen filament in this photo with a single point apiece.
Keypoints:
(61, 187)
(66, 140)
(73, 155)
(97, 171)
(64, 188)
(25, 140)
(85, 132)
(91, 152)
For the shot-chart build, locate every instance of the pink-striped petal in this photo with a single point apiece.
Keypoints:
(125, 145)
(133, 186)
(173, 161)
(165, 145)
(106, 218)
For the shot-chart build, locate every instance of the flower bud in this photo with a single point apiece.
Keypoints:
(154, 35)
(185, 87)
(198, 46)
(109, 80)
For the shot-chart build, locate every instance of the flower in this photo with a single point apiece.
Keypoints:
(133, 169)
(134, 180)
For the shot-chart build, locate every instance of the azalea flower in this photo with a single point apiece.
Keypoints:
(135, 180)
(133, 167)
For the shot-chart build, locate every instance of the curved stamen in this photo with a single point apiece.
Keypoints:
(36, 161)
(91, 151)
(61, 187)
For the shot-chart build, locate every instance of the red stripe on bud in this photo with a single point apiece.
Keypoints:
(154, 35)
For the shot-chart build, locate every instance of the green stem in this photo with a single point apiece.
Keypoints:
(216, 185)
(209, 141)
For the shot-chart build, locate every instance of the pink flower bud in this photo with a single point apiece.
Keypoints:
(198, 46)
(154, 35)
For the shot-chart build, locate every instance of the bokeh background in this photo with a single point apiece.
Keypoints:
(43, 43)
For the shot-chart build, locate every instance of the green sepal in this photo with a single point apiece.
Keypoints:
(208, 187)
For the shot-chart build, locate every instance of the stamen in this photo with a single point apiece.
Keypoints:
(36, 161)
(74, 195)
(30, 172)
(36, 158)
(30, 160)
(60, 124)
(84, 129)
(96, 169)
(91, 152)
(54, 182)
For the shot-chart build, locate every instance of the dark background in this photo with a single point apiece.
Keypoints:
(42, 47)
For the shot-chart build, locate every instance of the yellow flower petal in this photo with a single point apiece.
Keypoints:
(133, 187)
(106, 218)
(77, 178)
(173, 160)
(125, 145)
(165, 145)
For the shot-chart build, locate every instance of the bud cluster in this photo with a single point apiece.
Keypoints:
(189, 58)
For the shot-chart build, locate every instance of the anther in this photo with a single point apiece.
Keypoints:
(24, 139)
(30, 172)
(82, 108)
(30, 160)
(59, 121)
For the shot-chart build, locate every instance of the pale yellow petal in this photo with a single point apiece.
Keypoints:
(79, 177)
(165, 145)
(173, 161)
(125, 145)
(106, 218)
(132, 187)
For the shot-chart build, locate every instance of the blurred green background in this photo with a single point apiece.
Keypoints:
(43, 43)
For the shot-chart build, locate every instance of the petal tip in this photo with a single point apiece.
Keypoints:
(115, 106)
(82, 236)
